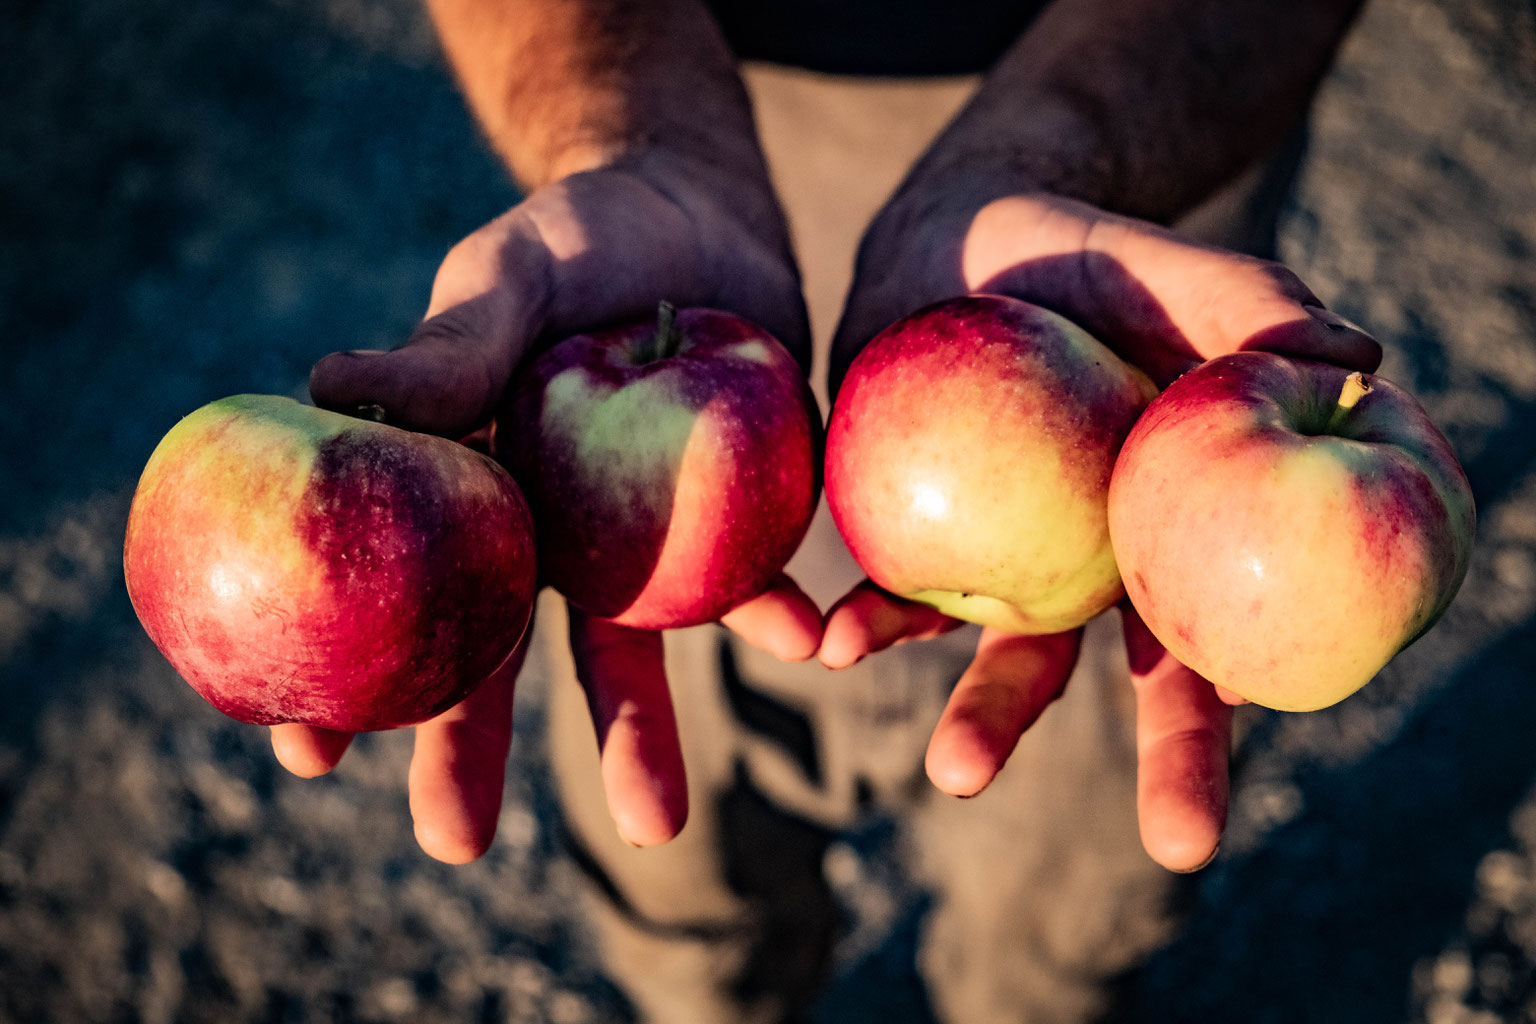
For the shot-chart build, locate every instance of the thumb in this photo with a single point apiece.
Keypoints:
(1162, 301)
(488, 302)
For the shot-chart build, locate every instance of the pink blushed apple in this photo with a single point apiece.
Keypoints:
(672, 465)
(299, 565)
(1286, 527)
(968, 462)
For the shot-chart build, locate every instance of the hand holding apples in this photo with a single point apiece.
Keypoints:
(587, 251)
(1163, 304)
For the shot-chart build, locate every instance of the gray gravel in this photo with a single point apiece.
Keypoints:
(201, 199)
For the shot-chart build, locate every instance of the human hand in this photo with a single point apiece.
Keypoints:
(590, 250)
(1164, 304)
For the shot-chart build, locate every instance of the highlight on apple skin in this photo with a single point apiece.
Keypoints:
(968, 462)
(672, 465)
(1286, 527)
(300, 565)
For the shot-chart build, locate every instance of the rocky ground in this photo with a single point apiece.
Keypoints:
(201, 199)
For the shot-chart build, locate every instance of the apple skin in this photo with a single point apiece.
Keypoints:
(668, 484)
(1283, 556)
(968, 462)
(299, 565)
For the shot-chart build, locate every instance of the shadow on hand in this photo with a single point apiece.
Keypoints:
(1099, 293)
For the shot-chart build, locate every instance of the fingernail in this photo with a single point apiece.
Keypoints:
(1202, 865)
(370, 411)
(364, 353)
(1330, 319)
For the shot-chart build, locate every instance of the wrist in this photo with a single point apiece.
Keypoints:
(1019, 145)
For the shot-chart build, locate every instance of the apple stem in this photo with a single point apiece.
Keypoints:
(1356, 386)
(667, 338)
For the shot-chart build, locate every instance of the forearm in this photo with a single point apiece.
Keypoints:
(564, 86)
(1144, 107)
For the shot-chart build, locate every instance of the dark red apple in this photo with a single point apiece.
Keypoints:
(672, 465)
(298, 565)
(968, 462)
(1286, 527)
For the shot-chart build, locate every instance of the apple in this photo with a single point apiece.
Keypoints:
(968, 462)
(672, 465)
(299, 565)
(1286, 527)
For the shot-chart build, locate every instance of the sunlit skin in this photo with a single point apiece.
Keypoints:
(1164, 304)
(298, 565)
(597, 249)
(643, 178)
(1279, 544)
(968, 463)
(483, 319)
(671, 464)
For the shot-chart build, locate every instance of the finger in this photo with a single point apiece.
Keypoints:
(307, 751)
(1228, 697)
(1162, 301)
(868, 619)
(1341, 341)
(624, 675)
(459, 767)
(782, 620)
(488, 304)
(1183, 738)
(1011, 681)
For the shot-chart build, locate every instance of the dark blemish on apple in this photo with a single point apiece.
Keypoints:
(369, 503)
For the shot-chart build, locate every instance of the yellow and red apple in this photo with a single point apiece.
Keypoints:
(1286, 527)
(672, 465)
(968, 462)
(299, 565)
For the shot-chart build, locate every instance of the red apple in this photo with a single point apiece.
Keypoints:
(672, 465)
(1286, 527)
(968, 462)
(298, 565)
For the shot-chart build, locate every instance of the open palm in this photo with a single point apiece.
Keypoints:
(588, 251)
(1164, 304)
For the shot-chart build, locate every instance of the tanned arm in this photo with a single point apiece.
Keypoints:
(565, 86)
(1105, 111)
(1142, 107)
(631, 133)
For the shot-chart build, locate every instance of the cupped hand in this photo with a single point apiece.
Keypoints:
(585, 252)
(1165, 304)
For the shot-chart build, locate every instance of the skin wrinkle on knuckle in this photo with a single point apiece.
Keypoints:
(467, 358)
(995, 695)
(1202, 737)
(479, 732)
(1094, 243)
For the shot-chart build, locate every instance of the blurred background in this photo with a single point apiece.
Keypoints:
(201, 199)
